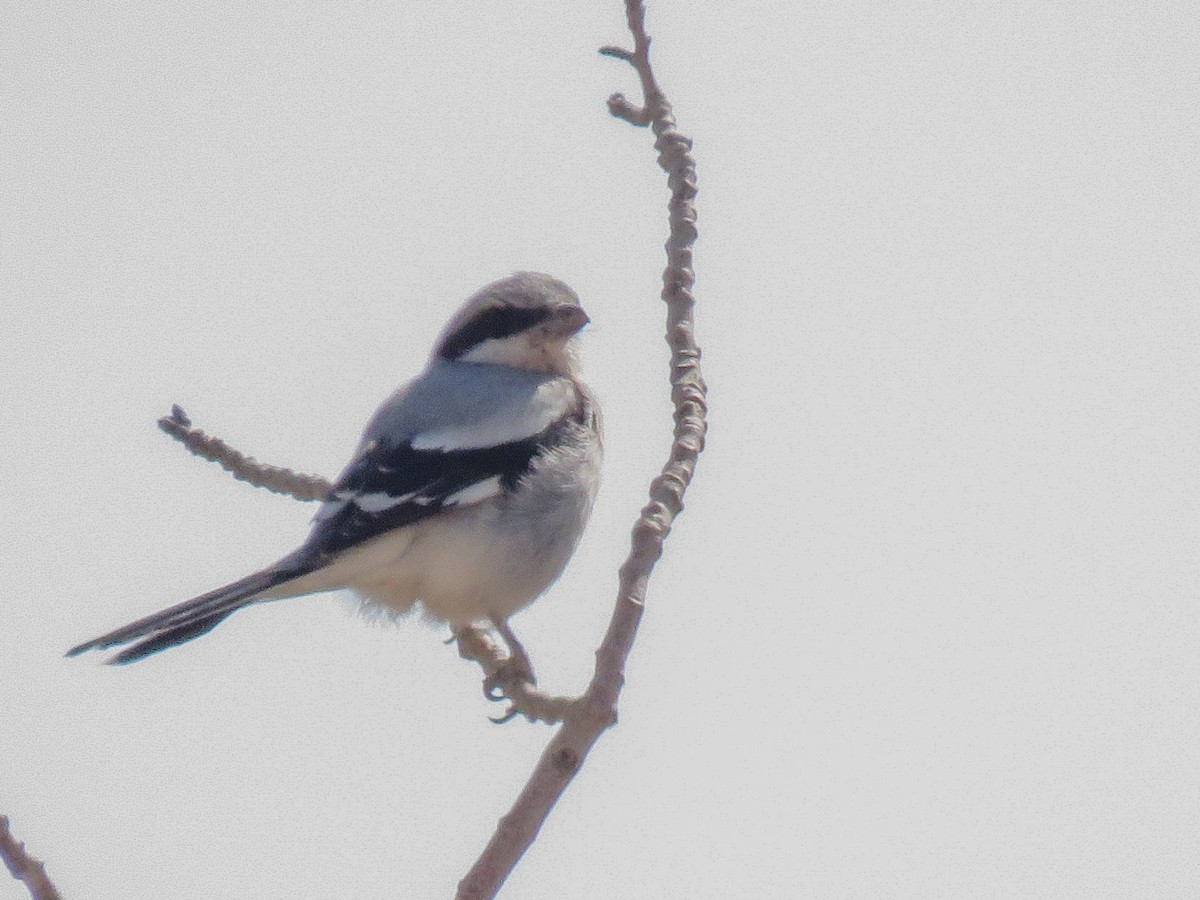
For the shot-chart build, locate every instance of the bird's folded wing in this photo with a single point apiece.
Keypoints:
(402, 474)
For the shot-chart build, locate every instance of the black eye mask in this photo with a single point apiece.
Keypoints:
(494, 322)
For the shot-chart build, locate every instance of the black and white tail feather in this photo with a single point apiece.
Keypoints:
(469, 490)
(185, 621)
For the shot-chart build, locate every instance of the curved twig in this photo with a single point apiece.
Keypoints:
(596, 710)
(587, 717)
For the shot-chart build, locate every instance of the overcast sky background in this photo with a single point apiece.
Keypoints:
(929, 624)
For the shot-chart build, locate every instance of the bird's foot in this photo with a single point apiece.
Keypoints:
(510, 677)
(524, 697)
(518, 660)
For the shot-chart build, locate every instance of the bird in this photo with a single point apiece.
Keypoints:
(468, 492)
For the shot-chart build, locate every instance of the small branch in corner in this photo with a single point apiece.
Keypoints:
(25, 868)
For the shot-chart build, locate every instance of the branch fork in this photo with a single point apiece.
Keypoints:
(507, 675)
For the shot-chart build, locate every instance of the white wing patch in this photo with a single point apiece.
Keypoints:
(475, 493)
(379, 501)
(550, 403)
(330, 508)
(369, 503)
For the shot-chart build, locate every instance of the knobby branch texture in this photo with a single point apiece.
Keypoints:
(596, 710)
(25, 868)
(585, 718)
(242, 467)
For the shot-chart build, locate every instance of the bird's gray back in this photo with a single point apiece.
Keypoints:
(455, 395)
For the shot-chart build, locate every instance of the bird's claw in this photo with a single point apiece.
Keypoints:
(515, 683)
(511, 677)
(512, 713)
(513, 674)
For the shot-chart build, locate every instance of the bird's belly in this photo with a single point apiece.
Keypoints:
(460, 567)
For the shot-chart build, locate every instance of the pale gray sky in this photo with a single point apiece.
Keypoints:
(929, 625)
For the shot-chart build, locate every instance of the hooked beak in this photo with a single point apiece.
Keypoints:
(568, 319)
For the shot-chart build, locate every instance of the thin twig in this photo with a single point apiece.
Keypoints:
(586, 718)
(596, 710)
(25, 868)
(242, 467)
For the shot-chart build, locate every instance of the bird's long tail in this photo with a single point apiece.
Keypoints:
(188, 620)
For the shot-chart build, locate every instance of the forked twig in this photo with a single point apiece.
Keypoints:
(585, 718)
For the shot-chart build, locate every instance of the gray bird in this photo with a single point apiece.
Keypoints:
(469, 490)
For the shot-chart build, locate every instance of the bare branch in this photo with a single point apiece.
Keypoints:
(242, 467)
(25, 868)
(597, 709)
(587, 717)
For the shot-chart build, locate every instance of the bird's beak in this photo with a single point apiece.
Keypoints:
(568, 319)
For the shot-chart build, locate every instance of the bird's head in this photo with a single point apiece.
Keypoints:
(527, 321)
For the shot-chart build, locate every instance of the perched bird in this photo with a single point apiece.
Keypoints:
(469, 490)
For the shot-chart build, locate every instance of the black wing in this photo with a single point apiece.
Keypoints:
(392, 486)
